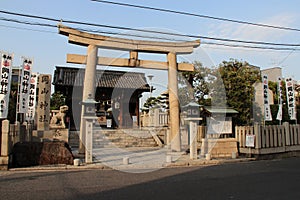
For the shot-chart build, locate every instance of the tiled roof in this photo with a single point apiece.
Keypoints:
(67, 76)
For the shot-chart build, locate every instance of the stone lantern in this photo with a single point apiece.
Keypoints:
(192, 109)
(89, 110)
(88, 117)
(193, 117)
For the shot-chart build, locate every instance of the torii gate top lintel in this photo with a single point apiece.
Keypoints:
(106, 42)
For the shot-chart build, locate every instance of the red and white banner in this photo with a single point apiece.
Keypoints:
(25, 85)
(5, 81)
(267, 113)
(279, 90)
(32, 98)
(290, 97)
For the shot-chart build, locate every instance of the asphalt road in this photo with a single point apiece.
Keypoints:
(268, 179)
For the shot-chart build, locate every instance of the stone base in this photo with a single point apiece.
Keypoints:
(51, 135)
(4, 162)
(219, 148)
(26, 154)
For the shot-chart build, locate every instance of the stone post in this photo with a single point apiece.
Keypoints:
(5, 146)
(287, 134)
(204, 147)
(193, 140)
(257, 134)
(88, 88)
(89, 141)
(173, 103)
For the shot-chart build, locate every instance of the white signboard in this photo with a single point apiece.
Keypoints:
(25, 85)
(267, 113)
(279, 90)
(250, 140)
(32, 98)
(290, 96)
(108, 123)
(219, 125)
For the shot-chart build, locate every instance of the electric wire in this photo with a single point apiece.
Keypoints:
(197, 15)
(150, 31)
(144, 36)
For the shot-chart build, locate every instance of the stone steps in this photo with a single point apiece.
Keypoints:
(123, 138)
(120, 138)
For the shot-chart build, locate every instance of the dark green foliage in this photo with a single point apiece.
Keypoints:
(238, 79)
(57, 100)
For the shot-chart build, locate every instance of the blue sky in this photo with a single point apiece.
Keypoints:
(49, 49)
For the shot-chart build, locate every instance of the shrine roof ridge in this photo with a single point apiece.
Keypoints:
(71, 76)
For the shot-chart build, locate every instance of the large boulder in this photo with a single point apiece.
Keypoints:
(26, 154)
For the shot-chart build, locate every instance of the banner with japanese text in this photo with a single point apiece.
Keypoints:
(32, 98)
(5, 80)
(25, 85)
(290, 97)
(267, 110)
(279, 90)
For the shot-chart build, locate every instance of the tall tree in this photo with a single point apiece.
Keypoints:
(195, 84)
(238, 79)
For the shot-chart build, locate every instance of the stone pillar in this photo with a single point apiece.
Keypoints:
(43, 108)
(193, 140)
(287, 134)
(89, 141)
(204, 147)
(173, 103)
(5, 138)
(88, 88)
(257, 136)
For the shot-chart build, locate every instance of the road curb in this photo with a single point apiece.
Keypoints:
(99, 166)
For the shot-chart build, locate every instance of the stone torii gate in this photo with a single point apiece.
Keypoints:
(171, 49)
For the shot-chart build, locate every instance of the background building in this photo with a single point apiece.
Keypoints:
(117, 91)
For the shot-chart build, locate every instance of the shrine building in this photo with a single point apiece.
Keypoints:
(117, 92)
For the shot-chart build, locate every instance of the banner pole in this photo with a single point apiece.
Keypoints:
(18, 93)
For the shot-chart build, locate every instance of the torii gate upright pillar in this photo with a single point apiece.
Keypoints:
(88, 88)
(173, 103)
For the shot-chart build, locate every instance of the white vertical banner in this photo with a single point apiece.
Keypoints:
(290, 96)
(25, 85)
(267, 113)
(32, 98)
(279, 90)
(5, 81)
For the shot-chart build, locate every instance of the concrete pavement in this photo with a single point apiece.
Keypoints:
(135, 160)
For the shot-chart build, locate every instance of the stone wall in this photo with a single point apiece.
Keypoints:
(219, 148)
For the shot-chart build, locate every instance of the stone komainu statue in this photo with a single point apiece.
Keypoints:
(58, 120)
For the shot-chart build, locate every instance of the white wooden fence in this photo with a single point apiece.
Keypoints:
(269, 139)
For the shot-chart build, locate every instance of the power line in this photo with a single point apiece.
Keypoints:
(27, 23)
(197, 15)
(250, 47)
(27, 29)
(149, 31)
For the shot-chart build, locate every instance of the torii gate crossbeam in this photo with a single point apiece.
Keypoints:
(171, 49)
